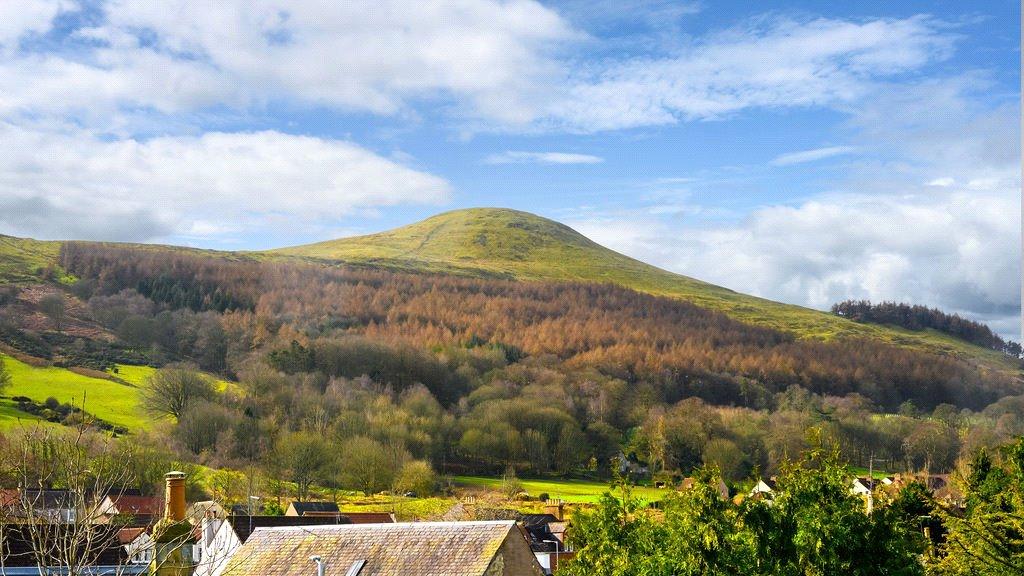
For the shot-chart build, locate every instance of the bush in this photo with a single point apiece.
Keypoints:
(511, 487)
(416, 476)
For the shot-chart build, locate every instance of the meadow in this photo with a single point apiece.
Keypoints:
(571, 491)
(111, 401)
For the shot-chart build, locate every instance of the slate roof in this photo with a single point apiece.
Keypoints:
(406, 548)
(303, 507)
(365, 517)
(18, 547)
(244, 528)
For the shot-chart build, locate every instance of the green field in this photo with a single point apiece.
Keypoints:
(135, 375)
(11, 417)
(114, 402)
(576, 491)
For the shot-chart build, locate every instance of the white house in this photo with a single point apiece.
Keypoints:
(763, 489)
(219, 538)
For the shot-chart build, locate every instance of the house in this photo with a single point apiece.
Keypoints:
(138, 544)
(359, 517)
(131, 505)
(547, 546)
(303, 508)
(862, 486)
(763, 489)
(104, 554)
(491, 548)
(721, 487)
(50, 505)
(217, 539)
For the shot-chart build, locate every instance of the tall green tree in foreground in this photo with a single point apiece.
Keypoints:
(814, 527)
(988, 538)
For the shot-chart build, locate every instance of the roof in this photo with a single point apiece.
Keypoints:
(18, 548)
(537, 519)
(245, 525)
(128, 535)
(406, 548)
(303, 507)
(537, 529)
(365, 517)
(131, 504)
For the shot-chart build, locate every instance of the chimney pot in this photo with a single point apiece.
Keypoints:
(175, 496)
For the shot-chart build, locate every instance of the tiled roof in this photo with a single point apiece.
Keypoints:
(129, 504)
(127, 535)
(407, 548)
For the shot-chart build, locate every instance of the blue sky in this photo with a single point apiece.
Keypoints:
(802, 151)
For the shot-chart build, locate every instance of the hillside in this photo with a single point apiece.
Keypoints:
(498, 242)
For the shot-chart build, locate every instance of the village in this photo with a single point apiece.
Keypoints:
(124, 533)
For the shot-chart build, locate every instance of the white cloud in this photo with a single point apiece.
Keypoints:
(942, 182)
(771, 63)
(18, 19)
(372, 56)
(958, 251)
(816, 154)
(492, 65)
(952, 242)
(72, 184)
(517, 157)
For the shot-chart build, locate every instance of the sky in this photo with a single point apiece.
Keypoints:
(807, 152)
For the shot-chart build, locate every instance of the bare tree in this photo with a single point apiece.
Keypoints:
(170, 390)
(55, 480)
(53, 305)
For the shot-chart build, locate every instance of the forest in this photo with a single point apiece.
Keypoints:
(466, 375)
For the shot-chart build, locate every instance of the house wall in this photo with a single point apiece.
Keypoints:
(217, 543)
(514, 558)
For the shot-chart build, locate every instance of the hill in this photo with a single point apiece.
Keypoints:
(499, 242)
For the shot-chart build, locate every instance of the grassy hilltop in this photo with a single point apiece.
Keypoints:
(499, 242)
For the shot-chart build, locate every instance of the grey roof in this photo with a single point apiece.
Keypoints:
(244, 526)
(406, 548)
(303, 507)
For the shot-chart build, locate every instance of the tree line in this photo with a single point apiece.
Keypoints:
(917, 317)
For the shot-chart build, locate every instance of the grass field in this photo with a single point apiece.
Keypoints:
(576, 491)
(11, 417)
(21, 258)
(111, 401)
(135, 375)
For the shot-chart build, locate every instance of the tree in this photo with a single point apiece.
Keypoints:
(86, 467)
(416, 476)
(988, 539)
(369, 465)
(170, 390)
(53, 305)
(813, 527)
(305, 458)
(617, 538)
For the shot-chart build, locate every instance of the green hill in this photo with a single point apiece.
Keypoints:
(505, 243)
(500, 242)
